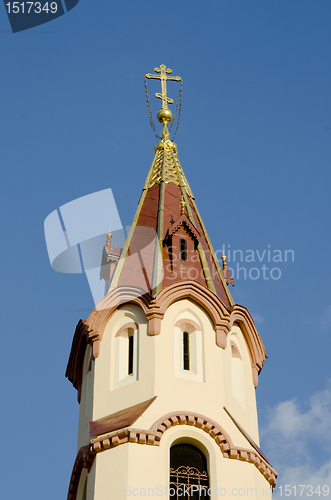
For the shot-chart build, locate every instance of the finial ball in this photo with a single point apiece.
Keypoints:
(164, 116)
(109, 234)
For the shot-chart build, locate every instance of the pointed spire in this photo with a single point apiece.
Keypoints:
(168, 219)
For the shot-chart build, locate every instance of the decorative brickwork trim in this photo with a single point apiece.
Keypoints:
(132, 325)
(189, 322)
(153, 436)
(221, 438)
(154, 310)
(84, 460)
(254, 342)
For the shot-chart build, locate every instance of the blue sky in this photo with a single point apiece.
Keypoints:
(254, 142)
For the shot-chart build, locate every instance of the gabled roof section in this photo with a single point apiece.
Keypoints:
(184, 221)
(144, 261)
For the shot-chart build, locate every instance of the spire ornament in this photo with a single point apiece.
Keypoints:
(165, 115)
(182, 206)
(225, 270)
(109, 235)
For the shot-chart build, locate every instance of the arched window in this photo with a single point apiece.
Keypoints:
(188, 349)
(126, 354)
(183, 249)
(189, 478)
(130, 352)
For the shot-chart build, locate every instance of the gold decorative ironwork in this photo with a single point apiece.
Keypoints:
(164, 116)
(188, 483)
(164, 154)
(164, 72)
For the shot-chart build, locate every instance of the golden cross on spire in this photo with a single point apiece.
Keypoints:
(164, 77)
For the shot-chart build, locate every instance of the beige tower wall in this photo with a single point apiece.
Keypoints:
(213, 384)
(134, 470)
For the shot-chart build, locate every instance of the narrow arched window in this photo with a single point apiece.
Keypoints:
(130, 353)
(126, 347)
(183, 249)
(189, 478)
(186, 351)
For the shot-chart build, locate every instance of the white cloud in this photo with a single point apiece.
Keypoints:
(326, 319)
(296, 441)
(305, 480)
(258, 318)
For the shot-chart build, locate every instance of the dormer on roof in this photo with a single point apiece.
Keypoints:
(180, 251)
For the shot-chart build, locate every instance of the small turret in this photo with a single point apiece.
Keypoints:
(225, 270)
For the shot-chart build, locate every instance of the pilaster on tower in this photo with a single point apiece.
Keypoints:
(166, 365)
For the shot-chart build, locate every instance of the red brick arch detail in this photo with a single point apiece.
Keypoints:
(104, 310)
(219, 315)
(154, 435)
(256, 349)
(186, 321)
(132, 325)
(84, 460)
(221, 438)
(154, 309)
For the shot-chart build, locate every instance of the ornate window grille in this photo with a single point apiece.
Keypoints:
(188, 481)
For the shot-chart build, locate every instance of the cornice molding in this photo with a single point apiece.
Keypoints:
(154, 310)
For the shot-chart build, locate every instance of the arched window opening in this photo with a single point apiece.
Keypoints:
(189, 478)
(183, 249)
(126, 347)
(130, 354)
(186, 351)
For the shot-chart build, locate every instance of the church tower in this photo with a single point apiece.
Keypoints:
(166, 365)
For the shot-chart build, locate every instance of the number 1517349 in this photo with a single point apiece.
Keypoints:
(31, 7)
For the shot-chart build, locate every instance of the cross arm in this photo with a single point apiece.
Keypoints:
(176, 78)
(149, 75)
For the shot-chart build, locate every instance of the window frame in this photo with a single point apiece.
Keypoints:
(126, 354)
(186, 325)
